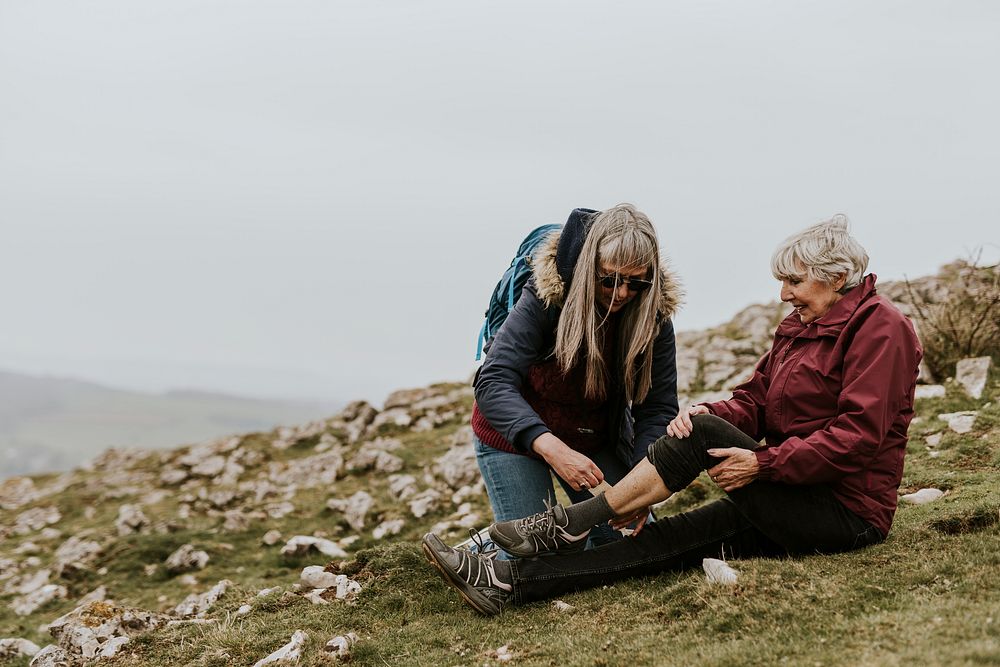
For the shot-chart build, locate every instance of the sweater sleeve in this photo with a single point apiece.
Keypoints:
(745, 410)
(879, 373)
(660, 406)
(519, 343)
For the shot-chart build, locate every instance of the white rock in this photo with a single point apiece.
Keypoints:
(130, 520)
(271, 537)
(17, 648)
(347, 588)
(504, 654)
(279, 510)
(300, 545)
(186, 559)
(173, 476)
(390, 527)
(458, 467)
(718, 572)
(315, 576)
(402, 487)
(29, 604)
(972, 375)
(934, 454)
(934, 439)
(316, 596)
(340, 646)
(51, 656)
(36, 518)
(110, 648)
(922, 496)
(354, 509)
(210, 467)
(959, 422)
(197, 605)
(30, 583)
(264, 592)
(289, 653)
(929, 391)
(424, 502)
(559, 605)
(244, 610)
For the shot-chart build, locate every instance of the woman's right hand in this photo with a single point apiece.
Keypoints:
(573, 467)
(681, 426)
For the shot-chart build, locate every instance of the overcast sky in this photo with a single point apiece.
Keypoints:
(314, 199)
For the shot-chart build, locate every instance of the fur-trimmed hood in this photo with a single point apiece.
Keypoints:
(553, 263)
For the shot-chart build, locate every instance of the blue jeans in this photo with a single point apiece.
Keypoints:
(519, 485)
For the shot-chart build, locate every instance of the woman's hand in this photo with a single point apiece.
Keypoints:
(738, 469)
(639, 518)
(576, 469)
(680, 427)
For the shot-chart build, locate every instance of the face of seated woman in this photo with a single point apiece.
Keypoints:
(611, 300)
(811, 298)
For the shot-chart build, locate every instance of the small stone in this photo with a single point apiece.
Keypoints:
(29, 604)
(186, 559)
(934, 454)
(347, 588)
(271, 537)
(972, 375)
(316, 596)
(110, 648)
(51, 656)
(300, 545)
(922, 496)
(197, 605)
(355, 508)
(17, 648)
(340, 646)
(264, 592)
(188, 580)
(315, 576)
(559, 605)
(391, 527)
(718, 572)
(289, 653)
(934, 439)
(929, 391)
(959, 422)
(210, 467)
(504, 654)
(130, 520)
(244, 610)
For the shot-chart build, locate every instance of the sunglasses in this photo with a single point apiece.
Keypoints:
(613, 280)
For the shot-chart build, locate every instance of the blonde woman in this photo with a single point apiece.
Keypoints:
(832, 401)
(581, 377)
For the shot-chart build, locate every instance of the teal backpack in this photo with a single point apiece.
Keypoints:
(508, 290)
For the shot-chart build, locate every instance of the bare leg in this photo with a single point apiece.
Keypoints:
(641, 488)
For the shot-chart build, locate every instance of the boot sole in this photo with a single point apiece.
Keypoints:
(454, 581)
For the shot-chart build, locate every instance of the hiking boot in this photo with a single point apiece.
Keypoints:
(537, 534)
(471, 574)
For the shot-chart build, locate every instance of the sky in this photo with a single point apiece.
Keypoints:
(314, 199)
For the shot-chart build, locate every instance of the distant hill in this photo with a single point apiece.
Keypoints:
(49, 423)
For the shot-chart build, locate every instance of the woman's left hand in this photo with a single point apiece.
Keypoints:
(638, 518)
(738, 469)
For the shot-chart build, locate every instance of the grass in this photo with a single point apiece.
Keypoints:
(929, 595)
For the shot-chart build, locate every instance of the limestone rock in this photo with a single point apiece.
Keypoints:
(972, 375)
(402, 487)
(457, 467)
(111, 647)
(922, 496)
(315, 576)
(959, 422)
(35, 519)
(16, 492)
(929, 391)
(300, 545)
(347, 588)
(271, 537)
(173, 476)
(186, 559)
(561, 606)
(51, 656)
(130, 520)
(198, 605)
(235, 521)
(377, 455)
(32, 602)
(17, 648)
(76, 551)
(424, 502)
(340, 646)
(398, 417)
(100, 629)
(279, 510)
(354, 509)
(934, 439)
(390, 527)
(287, 654)
(310, 471)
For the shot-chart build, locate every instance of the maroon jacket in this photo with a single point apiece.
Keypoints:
(833, 400)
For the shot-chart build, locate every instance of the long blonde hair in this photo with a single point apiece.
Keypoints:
(622, 237)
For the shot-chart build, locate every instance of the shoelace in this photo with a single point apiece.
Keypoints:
(544, 520)
(477, 539)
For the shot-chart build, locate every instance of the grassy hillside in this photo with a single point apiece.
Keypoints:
(54, 423)
(929, 595)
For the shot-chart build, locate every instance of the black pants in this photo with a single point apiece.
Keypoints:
(760, 519)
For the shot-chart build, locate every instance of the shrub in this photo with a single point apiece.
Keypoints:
(963, 320)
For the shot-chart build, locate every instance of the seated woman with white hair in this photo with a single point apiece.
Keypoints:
(832, 401)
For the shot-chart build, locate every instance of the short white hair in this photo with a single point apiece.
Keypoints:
(826, 251)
